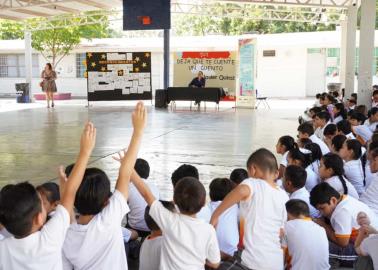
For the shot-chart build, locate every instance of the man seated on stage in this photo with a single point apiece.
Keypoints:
(198, 82)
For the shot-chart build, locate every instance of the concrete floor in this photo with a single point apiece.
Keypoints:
(34, 141)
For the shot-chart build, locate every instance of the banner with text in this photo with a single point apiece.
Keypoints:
(219, 69)
(246, 67)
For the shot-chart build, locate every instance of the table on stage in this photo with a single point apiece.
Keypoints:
(211, 94)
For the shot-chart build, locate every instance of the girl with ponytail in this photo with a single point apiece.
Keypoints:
(303, 158)
(354, 167)
(283, 146)
(331, 170)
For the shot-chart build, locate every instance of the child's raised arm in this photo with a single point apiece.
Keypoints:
(142, 188)
(87, 143)
(240, 193)
(139, 118)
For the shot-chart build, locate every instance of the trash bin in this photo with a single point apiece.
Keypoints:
(23, 92)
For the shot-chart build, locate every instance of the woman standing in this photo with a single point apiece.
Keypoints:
(48, 84)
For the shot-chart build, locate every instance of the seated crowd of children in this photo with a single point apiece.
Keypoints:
(316, 209)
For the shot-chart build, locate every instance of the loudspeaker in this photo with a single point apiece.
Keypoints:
(161, 98)
(146, 14)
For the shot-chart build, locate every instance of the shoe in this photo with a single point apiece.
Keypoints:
(52, 105)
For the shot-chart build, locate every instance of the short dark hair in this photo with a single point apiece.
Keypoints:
(354, 95)
(375, 92)
(189, 195)
(304, 142)
(352, 101)
(323, 115)
(142, 168)
(219, 188)
(306, 128)
(322, 193)
(264, 160)
(338, 142)
(373, 110)
(151, 224)
(315, 110)
(304, 158)
(51, 191)
(296, 176)
(297, 208)
(358, 116)
(93, 193)
(238, 175)
(318, 95)
(330, 129)
(19, 204)
(355, 146)
(184, 170)
(344, 126)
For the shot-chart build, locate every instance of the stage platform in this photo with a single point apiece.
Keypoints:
(35, 140)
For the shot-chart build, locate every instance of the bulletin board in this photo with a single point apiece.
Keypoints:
(118, 76)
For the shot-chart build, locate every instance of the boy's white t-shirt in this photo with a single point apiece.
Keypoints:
(137, 205)
(323, 147)
(150, 252)
(344, 217)
(264, 215)
(40, 250)
(353, 171)
(335, 182)
(370, 196)
(312, 179)
(284, 159)
(4, 234)
(187, 242)
(98, 244)
(227, 228)
(370, 246)
(304, 195)
(307, 245)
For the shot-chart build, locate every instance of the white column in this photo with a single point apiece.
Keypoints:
(28, 61)
(367, 31)
(348, 51)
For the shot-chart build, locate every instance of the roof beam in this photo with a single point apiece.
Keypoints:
(7, 17)
(340, 4)
(51, 6)
(32, 12)
(93, 4)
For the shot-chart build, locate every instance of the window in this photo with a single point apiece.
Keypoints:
(80, 65)
(13, 65)
(333, 62)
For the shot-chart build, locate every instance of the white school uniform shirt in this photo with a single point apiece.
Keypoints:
(204, 214)
(369, 175)
(187, 242)
(307, 245)
(304, 195)
(363, 131)
(371, 126)
(284, 159)
(315, 167)
(227, 228)
(264, 215)
(4, 234)
(353, 171)
(350, 136)
(319, 132)
(338, 119)
(370, 196)
(39, 250)
(150, 252)
(335, 182)
(312, 179)
(369, 246)
(323, 147)
(344, 217)
(98, 244)
(137, 205)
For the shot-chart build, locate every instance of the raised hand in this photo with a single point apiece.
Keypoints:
(139, 117)
(88, 139)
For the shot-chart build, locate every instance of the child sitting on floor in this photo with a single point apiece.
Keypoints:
(227, 228)
(238, 175)
(262, 205)
(150, 251)
(306, 241)
(50, 197)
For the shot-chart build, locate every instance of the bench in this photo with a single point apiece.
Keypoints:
(57, 96)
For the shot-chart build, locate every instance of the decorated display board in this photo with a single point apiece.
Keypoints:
(219, 69)
(119, 76)
(246, 84)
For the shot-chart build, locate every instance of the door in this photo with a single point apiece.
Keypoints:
(316, 72)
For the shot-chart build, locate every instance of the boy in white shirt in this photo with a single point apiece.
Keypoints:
(306, 131)
(372, 121)
(306, 242)
(294, 181)
(345, 128)
(367, 241)
(135, 218)
(150, 252)
(262, 205)
(227, 229)
(95, 240)
(342, 211)
(188, 242)
(321, 120)
(36, 244)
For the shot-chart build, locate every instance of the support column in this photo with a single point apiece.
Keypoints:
(166, 58)
(28, 62)
(367, 31)
(348, 51)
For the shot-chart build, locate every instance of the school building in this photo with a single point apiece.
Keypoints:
(287, 65)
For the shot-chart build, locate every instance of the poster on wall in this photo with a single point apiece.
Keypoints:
(119, 76)
(246, 67)
(218, 67)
